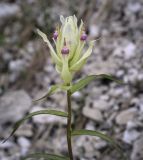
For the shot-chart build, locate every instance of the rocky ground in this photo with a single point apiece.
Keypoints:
(26, 72)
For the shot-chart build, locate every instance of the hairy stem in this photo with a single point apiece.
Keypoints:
(69, 125)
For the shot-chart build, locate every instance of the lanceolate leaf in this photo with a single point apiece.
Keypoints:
(52, 90)
(101, 135)
(44, 156)
(30, 115)
(83, 82)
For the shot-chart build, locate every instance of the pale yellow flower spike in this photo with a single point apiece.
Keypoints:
(69, 40)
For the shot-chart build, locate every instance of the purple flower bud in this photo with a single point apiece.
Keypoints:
(83, 37)
(65, 50)
(55, 35)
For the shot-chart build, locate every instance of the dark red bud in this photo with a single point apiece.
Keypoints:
(65, 50)
(55, 35)
(83, 37)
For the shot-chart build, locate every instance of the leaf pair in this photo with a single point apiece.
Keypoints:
(79, 85)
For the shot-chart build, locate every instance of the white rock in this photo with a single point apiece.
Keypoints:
(137, 153)
(90, 126)
(94, 30)
(99, 144)
(17, 65)
(6, 145)
(140, 76)
(129, 50)
(126, 115)
(125, 51)
(77, 96)
(24, 144)
(130, 135)
(101, 103)
(92, 113)
(134, 7)
(8, 10)
(14, 105)
(141, 107)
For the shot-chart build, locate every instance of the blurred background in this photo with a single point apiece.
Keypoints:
(26, 72)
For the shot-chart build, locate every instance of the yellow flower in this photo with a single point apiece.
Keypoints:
(69, 40)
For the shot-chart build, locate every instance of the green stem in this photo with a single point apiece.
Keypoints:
(69, 125)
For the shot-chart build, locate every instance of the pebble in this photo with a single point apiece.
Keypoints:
(8, 10)
(101, 103)
(129, 50)
(126, 115)
(137, 153)
(77, 96)
(129, 136)
(24, 144)
(6, 145)
(17, 65)
(93, 113)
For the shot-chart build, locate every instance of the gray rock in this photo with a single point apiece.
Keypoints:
(24, 144)
(92, 113)
(129, 50)
(134, 7)
(8, 10)
(6, 145)
(77, 96)
(126, 115)
(137, 153)
(130, 135)
(14, 105)
(100, 144)
(17, 65)
(101, 103)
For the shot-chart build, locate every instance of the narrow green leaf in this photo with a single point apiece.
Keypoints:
(101, 135)
(45, 156)
(52, 90)
(83, 82)
(30, 115)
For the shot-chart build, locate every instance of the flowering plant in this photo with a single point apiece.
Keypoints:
(69, 58)
(69, 41)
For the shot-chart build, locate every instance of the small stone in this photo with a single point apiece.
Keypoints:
(134, 7)
(77, 96)
(92, 113)
(100, 144)
(101, 103)
(8, 10)
(137, 153)
(141, 107)
(94, 30)
(24, 144)
(126, 115)
(6, 145)
(130, 136)
(17, 65)
(129, 50)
